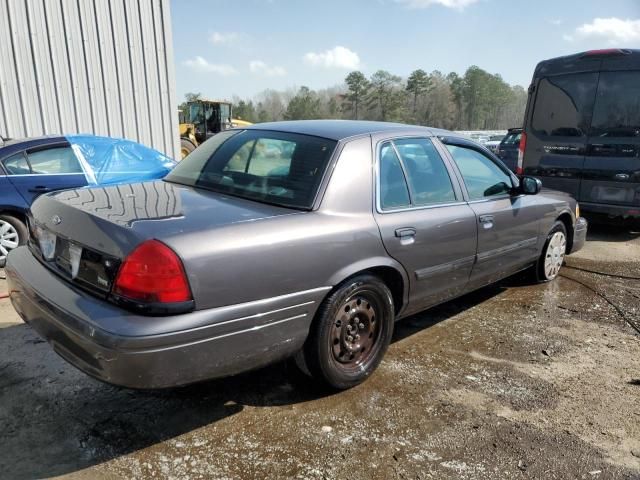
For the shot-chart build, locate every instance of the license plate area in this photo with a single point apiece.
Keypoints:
(68, 257)
(82, 266)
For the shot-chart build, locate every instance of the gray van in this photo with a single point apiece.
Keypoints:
(582, 130)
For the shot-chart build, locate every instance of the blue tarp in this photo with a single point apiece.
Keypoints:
(115, 160)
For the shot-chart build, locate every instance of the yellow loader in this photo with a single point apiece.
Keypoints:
(201, 120)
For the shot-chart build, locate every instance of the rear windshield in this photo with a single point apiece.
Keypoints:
(272, 167)
(617, 109)
(564, 105)
(512, 139)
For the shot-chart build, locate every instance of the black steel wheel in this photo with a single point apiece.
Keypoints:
(351, 332)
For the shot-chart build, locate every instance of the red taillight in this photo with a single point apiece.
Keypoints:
(152, 273)
(521, 148)
(604, 51)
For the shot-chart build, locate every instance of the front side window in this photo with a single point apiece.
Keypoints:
(17, 165)
(58, 160)
(564, 105)
(482, 177)
(273, 167)
(617, 109)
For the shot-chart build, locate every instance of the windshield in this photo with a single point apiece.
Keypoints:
(273, 167)
(195, 113)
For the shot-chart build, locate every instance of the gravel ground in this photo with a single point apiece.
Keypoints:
(513, 381)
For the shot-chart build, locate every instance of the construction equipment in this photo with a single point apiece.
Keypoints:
(202, 119)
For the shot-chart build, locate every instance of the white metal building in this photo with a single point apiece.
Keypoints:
(88, 66)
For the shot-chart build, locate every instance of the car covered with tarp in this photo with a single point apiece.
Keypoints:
(33, 166)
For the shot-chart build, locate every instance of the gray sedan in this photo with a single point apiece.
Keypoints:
(304, 239)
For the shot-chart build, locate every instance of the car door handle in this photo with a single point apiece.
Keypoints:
(40, 189)
(405, 232)
(486, 221)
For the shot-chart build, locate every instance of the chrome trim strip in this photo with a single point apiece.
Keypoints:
(424, 273)
(507, 249)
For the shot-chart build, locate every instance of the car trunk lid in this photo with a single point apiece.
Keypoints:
(85, 234)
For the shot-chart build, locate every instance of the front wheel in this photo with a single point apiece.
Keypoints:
(552, 258)
(351, 332)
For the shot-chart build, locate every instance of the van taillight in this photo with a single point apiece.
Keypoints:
(152, 273)
(521, 148)
(605, 51)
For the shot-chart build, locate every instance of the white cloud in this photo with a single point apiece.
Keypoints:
(337, 57)
(200, 64)
(556, 21)
(455, 4)
(614, 30)
(261, 68)
(222, 38)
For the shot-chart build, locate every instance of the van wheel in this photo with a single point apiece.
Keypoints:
(351, 333)
(13, 233)
(548, 265)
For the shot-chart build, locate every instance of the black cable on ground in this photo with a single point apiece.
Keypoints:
(613, 275)
(621, 312)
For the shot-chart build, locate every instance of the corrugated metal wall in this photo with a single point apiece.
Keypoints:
(88, 66)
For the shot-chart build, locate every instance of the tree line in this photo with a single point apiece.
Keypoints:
(476, 100)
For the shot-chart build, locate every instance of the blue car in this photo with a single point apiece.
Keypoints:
(34, 166)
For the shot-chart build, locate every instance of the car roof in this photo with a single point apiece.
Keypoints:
(10, 146)
(342, 129)
(589, 61)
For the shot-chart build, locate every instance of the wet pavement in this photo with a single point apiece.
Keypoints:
(513, 381)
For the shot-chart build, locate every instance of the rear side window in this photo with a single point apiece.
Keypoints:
(564, 105)
(59, 160)
(482, 177)
(394, 192)
(427, 175)
(617, 109)
(17, 165)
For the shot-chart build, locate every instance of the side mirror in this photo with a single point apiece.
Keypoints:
(530, 185)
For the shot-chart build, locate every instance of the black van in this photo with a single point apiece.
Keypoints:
(582, 129)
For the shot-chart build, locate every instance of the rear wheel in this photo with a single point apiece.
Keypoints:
(13, 233)
(186, 147)
(351, 333)
(552, 258)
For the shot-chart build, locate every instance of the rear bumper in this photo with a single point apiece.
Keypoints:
(121, 348)
(579, 234)
(618, 211)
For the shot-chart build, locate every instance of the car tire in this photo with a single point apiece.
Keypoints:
(551, 259)
(13, 233)
(350, 333)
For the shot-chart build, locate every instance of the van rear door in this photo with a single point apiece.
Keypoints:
(558, 128)
(611, 173)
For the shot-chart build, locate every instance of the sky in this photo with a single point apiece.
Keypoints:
(242, 47)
